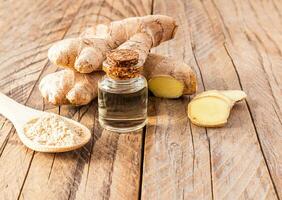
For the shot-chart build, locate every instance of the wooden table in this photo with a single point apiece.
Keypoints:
(235, 44)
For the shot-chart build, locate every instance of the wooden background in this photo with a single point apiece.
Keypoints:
(231, 44)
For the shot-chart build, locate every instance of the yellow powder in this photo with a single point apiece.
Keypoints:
(53, 130)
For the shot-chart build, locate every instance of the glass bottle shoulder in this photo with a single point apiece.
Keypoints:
(122, 86)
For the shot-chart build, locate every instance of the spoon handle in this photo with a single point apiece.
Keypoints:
(11, 109)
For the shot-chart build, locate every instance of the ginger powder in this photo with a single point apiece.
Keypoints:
(53, 130)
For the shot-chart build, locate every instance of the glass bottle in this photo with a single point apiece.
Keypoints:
(122, 93)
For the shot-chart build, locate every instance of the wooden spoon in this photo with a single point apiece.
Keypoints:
(19, 115)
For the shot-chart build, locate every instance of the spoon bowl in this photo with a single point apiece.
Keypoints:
(19, 115)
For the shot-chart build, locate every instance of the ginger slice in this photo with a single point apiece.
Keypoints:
(209, 111)
(166, 86)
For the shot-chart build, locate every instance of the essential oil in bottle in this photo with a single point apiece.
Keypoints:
(123, 93)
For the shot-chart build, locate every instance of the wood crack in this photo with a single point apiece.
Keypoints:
(28, 168)
(262, 67)
(81, 161)
(90, 156)
(5, 121)
(11, 131)
(193, 148)
(262, 44)
(134, 8)
(99, 12)
(82, 115)
(49, 175)
(277, 115)
(142, 162)
(211, 170)
(276, 9)
(84, 157)
(222, 20)
(32, 90)
(265, 32)
(11, 57)
(249, 110)
(254, 125)
(107, 185)
(206, 132)
(152, 7)
(207, 13)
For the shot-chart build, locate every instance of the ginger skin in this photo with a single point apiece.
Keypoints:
(86, 53)
(69, 87)
(167, 78)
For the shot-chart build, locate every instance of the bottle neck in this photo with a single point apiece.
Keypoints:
(127, 81)
(123, 86)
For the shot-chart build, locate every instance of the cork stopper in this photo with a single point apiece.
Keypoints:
(122, 58)
(121, 64)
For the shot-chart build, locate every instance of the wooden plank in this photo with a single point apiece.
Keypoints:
(238, 164)
(176, 160)
(255, 48)
(176, 154)
(238, 168)
(109, 166)
(25, 38)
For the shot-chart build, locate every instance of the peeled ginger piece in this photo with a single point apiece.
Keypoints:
(215, 93)
(209, 111)
(212, 108)
(235, 95)
(166, 86)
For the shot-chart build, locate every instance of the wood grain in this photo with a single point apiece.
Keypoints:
(238, 167)
(258, 49)
(98, 168)
(25, 38)
(230, 44)
(237, 164)
(24, 42)
(176, 154)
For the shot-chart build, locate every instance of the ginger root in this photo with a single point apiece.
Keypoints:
(212, 108)
(166, 77)
(69, 87)
(86, 53)
(169, 78)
